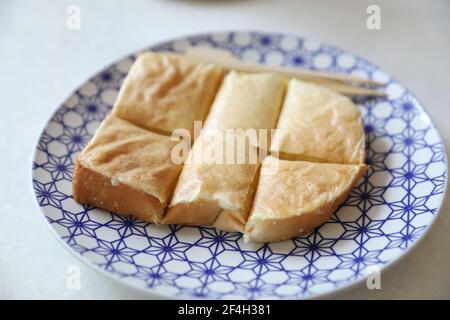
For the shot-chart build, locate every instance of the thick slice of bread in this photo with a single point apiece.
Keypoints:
(212, 190)
(127, 170)
(293, 197)
(317, 124)
(248, 101)
(164, 92)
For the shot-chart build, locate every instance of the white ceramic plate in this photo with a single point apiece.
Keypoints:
(386, 214)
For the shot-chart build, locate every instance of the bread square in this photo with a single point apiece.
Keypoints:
(164, 92)
(215, 192)
(293, 197)
(319, 125)
(126, 170)
(248, 101)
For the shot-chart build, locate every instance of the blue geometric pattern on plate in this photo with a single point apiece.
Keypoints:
(386, 213)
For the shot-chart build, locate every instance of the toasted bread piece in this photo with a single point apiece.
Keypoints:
(319, 125)
(293, 197)
(215, 188)
(164, 92)
(248, 101)
(127, 170)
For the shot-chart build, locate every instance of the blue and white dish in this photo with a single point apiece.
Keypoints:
(386, 214)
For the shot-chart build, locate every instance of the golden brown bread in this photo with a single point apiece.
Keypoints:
(164, 92)
(127, 170)
(319, 125)
(298, 197)
(221, 193)
(95, 189)
(213, 191)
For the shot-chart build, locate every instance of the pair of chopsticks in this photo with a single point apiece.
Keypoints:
(345, 84)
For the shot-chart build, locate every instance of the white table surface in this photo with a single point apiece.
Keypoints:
(42, 62)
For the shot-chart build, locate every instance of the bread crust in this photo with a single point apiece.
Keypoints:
(199, 212)
(92, 188)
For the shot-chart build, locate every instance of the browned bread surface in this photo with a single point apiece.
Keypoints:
(124, 158)
(164, 92)
(297, 196)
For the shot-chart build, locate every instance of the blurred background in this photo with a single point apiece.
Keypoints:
(42, 60)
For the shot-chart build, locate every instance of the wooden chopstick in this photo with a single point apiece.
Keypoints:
(341, 83)
(349, 90)
(225, 57)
